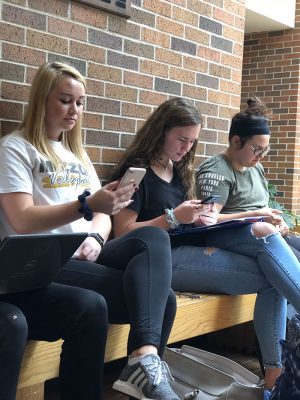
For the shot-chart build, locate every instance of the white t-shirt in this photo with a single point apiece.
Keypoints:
(24, 169)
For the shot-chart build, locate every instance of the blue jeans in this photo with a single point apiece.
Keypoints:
(237, 263)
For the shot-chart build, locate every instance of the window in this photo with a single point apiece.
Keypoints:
(120, 7)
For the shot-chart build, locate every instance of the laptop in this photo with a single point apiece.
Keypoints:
(30, 262)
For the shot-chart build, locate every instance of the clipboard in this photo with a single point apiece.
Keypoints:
(191, 229)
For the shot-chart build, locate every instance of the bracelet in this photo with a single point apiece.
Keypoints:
(85, 208)
(97, 237)
(171, 218)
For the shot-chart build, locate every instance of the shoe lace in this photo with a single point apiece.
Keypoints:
(159, 371)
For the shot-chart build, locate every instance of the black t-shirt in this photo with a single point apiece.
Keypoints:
(154, 196)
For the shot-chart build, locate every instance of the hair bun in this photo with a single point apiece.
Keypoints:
(256, 106)
(252, 101)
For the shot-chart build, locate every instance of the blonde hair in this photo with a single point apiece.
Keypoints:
(33, 125)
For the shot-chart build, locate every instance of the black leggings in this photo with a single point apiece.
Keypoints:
(135, 279)
(76, 315)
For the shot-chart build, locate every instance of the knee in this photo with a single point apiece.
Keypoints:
(153, 234)
(13, 325)
(261, 229)
(92, 306)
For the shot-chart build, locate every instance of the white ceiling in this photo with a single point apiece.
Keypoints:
(269, 15)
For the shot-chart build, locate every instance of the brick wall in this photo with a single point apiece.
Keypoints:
(271, 70)
(186, 48)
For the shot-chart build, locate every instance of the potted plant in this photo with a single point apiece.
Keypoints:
(291, 219)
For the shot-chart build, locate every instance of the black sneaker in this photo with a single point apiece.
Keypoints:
(147, 379)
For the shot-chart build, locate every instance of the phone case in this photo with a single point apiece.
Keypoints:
(136, 174)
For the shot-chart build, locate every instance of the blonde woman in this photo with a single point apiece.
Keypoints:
(48, 184)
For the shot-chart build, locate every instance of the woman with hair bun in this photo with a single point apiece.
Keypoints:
(237, 177)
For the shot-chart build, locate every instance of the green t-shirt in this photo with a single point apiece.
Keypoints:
(238, 191)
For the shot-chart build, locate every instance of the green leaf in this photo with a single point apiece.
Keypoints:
(290, 218)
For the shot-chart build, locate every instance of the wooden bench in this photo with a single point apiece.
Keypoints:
(196, 315)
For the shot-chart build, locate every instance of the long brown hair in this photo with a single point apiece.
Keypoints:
(33, 125)
(149, 140)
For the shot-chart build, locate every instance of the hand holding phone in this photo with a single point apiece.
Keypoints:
(210, 199)
(135, 174)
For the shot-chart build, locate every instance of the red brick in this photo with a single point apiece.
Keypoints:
(152, 98)
(119, 124)
(94, 87)
(235, 35)
(57, 7)
(89, 15)
(197, 35)
(209, 54)
(223, 16)
(121, 92)
(219, 98)
(194, 92)
(103, 171)
(158, 7)
(30, 73)
(11, 110)
(92, 120)
(87, 52)
(168, 56)
(14, 91)
(46, 42)
(182, 75)
(67, 29)
(22, 54)
(234, 7)
(12, 33)
(93, 153)
(220, 71)
(19, 2)
(158, 38)
(23, 17)
(178, 2)
(7, 127)
(170, 26)
(139, 80)
(154, 68)
(104, 73)
(195, 63)
(111, 155)
(240, 23)
(123, 26)
(232, 61)
(181, 15)
(230, 87)
(200, 7)
(136, 110)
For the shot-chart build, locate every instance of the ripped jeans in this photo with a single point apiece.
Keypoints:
(239, 263)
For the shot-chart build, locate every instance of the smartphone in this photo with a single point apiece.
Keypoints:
(136, 174)
(210, 199)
